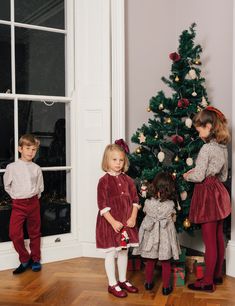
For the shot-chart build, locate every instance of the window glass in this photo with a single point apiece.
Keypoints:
(5, 212)
(48, 123)
(5, 10)
(7, 151)
(55, 206)
(5, 58)
(48, 13)
(40, 62)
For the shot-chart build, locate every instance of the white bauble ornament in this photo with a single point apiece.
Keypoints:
(192, 74)
(204, 102)
(189, 161)
(183, 195)
(194, 94)
(161, 156)
(188, 122)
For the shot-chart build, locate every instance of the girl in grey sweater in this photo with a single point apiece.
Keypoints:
(210, 203)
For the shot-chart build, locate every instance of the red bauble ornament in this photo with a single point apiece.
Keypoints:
(177, 139)
(183, 103)
(174, 56)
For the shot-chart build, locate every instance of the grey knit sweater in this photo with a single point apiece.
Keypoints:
(212, 160)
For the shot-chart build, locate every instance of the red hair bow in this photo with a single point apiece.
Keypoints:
(218, 112)
(121, 143)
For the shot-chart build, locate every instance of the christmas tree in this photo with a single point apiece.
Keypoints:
(170, 142)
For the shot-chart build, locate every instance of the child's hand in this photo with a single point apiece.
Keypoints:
(131, 222)
(117, 226)
(185, 175)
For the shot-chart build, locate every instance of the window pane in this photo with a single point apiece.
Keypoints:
(5, 212)
(48, 13)
(40, 62)
(49, 124)
(55, 206)
(5, 9)
(5, 58)
(7, 151)
(55, 203)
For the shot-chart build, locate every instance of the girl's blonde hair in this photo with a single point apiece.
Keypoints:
(28, 140)
(109, 149)
(219, 124)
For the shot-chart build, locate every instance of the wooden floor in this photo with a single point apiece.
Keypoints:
(82, 282)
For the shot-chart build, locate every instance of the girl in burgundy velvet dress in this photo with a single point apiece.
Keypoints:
(210, 203)
(118, 207)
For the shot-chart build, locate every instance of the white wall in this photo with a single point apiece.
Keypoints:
(152, 31)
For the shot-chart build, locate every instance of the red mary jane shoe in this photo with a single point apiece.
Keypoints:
(115, 292)
(128, 287)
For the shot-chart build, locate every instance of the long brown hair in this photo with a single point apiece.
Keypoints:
(163, 185)
(219, 124)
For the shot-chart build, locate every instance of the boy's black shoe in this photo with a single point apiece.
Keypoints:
(22, 267)
(166, 291)
(148, 286)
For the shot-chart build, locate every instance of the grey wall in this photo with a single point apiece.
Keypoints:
(152, 31)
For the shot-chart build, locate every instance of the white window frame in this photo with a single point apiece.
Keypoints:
(68, 32)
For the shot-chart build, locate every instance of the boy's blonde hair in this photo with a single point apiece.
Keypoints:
(28, 140)
(109, 149)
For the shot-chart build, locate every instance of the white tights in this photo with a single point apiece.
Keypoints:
(121, 264)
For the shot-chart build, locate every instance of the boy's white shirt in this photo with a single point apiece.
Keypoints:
(23, 180)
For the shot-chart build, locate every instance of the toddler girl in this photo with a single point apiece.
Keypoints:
(157, 234)
(118, 207)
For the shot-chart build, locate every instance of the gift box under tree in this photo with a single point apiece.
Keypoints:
(199, 269)
(178, 275)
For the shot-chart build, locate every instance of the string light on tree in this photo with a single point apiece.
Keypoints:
(161, 106)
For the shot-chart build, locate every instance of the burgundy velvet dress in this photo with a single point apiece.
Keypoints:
(210, 201)
(116, 194)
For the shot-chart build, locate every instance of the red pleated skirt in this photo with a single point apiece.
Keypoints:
(210, 201)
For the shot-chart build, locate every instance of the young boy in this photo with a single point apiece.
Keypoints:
(23, 181)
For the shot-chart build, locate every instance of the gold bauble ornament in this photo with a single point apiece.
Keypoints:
(197, 62)
(161, 106)
(138, 150)
(177, 79)
(148, 109)
(176, 158)
(168, 120)
(186, 223)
